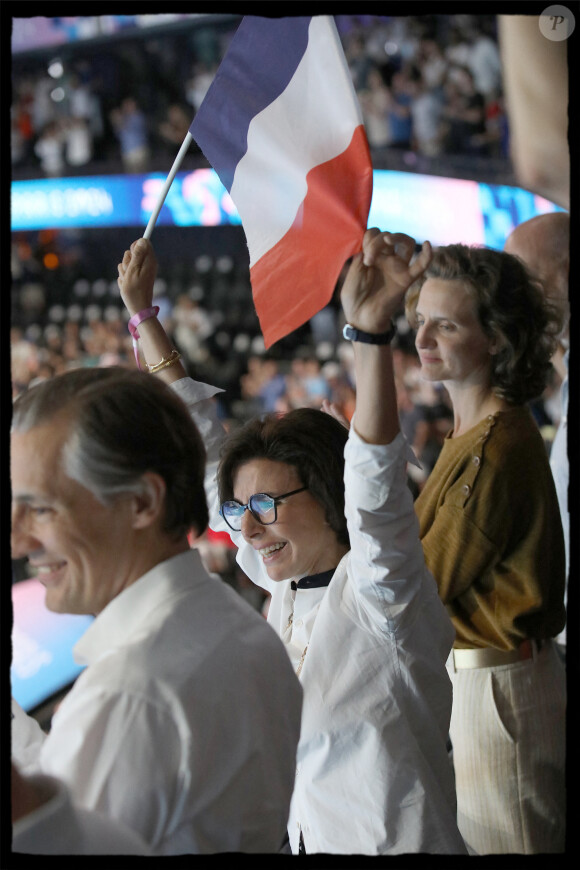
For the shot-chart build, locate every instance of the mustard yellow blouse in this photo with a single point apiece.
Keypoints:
(492, 534)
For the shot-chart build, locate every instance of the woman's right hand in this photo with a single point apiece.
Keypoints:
(137, 273)
(377, 279)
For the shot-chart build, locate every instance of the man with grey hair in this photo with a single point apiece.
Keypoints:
(184, 724)
(543, 244)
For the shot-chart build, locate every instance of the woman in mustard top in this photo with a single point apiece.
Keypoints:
(492, 537)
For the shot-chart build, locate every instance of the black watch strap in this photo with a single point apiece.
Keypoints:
(351, 333)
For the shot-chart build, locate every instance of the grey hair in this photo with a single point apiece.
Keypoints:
(123, 424)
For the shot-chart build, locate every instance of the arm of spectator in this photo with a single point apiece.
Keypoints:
(535, 76)
(137, 273)
(332, 409)
(371, 295)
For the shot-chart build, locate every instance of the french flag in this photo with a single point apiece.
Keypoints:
(282, 127)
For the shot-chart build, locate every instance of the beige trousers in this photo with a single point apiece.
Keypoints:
(508, 736)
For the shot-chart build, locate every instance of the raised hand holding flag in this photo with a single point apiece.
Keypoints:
(282, 127)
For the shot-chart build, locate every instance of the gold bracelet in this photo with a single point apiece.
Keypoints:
(164, 363)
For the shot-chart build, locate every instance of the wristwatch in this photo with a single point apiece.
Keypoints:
(351, 333)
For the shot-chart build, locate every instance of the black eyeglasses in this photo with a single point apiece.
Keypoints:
(262, 506)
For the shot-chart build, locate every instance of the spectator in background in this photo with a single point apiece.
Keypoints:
(78, 141)
(359, 62)
(198, 85)
(315, 384)
(83, 102)
(432, 63)
(342, 395)
(49, 149)
(463, 114)
(18, 145)
(271, 384)
(457, 49)
(174, 128)
(543, 244)
(399, 115)
(185, 722)
(306, 386)
(375, 100)
(483, 60)
(22, 124)
(192, 326)
(494, 141)
(324, 326)
(426, 109)
(42, 107)
(130, 125)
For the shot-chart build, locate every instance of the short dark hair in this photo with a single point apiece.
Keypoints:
(310, 441)
(124, 423)
(511, 307)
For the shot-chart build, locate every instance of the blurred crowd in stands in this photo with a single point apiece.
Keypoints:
(428, 86)
(209, 312)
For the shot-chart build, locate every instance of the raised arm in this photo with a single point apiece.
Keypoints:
(137, 272)
(372, 293)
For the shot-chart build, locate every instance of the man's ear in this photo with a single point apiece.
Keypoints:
(149, 504)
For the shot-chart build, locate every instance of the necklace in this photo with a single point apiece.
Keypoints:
(311, 582)
(301, 662)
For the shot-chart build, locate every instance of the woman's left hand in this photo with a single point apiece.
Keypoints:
(378, 279)
(137, 273)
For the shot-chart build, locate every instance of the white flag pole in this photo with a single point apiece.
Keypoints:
(176, 164)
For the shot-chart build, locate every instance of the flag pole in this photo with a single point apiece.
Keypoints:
(176, 164)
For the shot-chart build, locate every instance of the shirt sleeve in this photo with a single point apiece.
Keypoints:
(99, 739)
(198, 400)
(386, 568)
(27, 739)
(58, 827)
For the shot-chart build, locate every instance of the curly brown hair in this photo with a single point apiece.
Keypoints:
(511, 308)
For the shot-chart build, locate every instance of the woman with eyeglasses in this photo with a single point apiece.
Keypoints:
(324, 520)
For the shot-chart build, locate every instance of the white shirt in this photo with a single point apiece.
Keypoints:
(560, 465)
(185, 723)
(60, 828)
(373, 773)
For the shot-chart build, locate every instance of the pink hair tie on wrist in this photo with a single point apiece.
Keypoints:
(135, 321)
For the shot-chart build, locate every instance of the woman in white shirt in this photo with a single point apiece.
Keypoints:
(352, 599)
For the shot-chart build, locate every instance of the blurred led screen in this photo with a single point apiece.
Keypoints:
(42, 642)
(194, 199)
(443, 210)
(40, 32)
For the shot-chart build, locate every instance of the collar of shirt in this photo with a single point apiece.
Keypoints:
(314, 580)
(120, 619)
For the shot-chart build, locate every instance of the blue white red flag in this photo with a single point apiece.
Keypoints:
(282, 127)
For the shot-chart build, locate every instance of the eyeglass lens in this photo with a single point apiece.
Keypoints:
(262, 506)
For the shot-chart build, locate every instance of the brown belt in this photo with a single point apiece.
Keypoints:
(488, 657)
